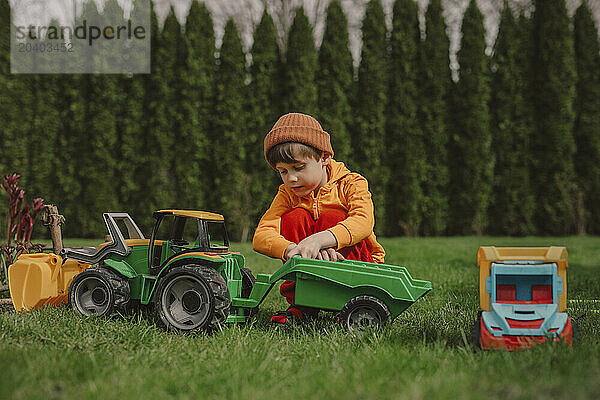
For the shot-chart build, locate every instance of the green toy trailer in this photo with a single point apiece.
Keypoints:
(195, 283)
(364, 294)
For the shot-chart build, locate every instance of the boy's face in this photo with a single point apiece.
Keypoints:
(305, 176)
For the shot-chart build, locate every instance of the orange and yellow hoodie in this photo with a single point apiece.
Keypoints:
(345, 191)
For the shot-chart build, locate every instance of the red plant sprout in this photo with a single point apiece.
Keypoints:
(20, 221)
(36, 206)
(10, 184)
(25, 224)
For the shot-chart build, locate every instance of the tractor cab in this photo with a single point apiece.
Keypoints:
(186, 231)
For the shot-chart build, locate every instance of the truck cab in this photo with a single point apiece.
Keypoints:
(522, 297)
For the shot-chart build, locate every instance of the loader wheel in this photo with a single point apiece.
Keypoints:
(192, 298)
(99, 291)
(364, 312)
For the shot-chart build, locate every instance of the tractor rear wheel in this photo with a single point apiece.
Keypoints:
(100, 291)
(192, 298)
(364, 312)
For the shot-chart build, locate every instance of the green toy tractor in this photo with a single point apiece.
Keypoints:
(182, 269)
(187, 273)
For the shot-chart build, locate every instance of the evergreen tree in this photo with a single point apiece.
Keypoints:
(171, 59)
(13, 149)
(301, 67)
(368, 137)
(69, 157)
(131, 162)
(587, 114)
(471, 161)
(334, 81)
(192, 147)
(404, 143)
(5, 38)
(43, 114)
(98, 136)
(154, 144)
(76, 197)
(434, 84)
(265, 104)
(13, 153)
(132, 128)
(553, 145)
(6, 115)
(185, 187)
(231, 187)
(512, 205)
(69, 152)
(158, 187)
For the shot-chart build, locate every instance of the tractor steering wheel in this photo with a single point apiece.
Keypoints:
(173, 247)
(179, 244)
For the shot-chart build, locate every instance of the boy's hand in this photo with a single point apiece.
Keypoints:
(330, 255)
(320, 246)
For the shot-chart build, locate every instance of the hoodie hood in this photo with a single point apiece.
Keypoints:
(336, 170)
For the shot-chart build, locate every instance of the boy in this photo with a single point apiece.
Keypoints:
(322, 210)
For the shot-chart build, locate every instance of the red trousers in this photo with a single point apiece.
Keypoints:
(297, 224)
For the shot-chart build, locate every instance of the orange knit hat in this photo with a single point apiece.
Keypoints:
(301, 128)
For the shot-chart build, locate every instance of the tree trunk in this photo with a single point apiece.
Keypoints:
(53, 220)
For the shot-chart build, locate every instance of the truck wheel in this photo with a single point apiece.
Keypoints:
(100, 291)
(476, 333)
(363, 312)
(575, 330)
(192, 298)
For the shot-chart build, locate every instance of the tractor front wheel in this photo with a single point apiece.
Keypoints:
(364, 312)
(192, 298)
(99, 291)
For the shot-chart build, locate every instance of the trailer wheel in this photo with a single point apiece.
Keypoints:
(364, 312)
(476, 333)
(192, 298)
(100, 291)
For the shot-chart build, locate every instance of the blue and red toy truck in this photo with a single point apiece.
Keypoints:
(523, 296)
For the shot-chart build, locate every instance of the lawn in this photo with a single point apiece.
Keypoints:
(53, 354)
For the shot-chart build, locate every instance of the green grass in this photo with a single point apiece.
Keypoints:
(52, 354)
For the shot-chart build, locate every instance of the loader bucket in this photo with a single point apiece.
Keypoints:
(41, 279)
